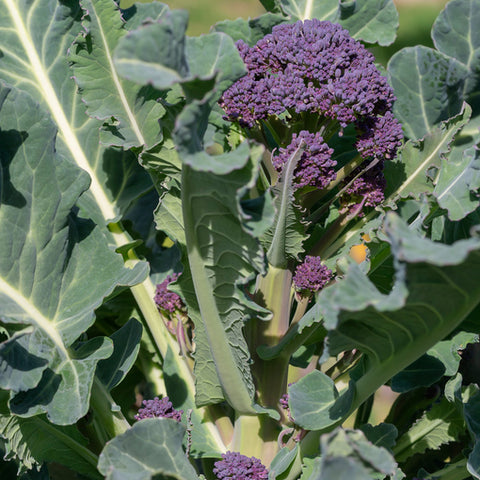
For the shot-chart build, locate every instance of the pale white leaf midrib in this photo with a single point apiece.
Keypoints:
(34, 315)
(307, 14)
(117, 83)
(57, 112)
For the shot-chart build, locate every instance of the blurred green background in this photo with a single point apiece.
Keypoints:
(416, 18)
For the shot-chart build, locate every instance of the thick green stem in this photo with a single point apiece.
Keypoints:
(256, 436)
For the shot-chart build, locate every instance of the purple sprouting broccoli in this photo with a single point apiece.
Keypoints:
(166, 300)
(316, 167)
(158, 408)
(310, 80)
(284, 401)
(312, 66)
(235, 466)
(311, 276)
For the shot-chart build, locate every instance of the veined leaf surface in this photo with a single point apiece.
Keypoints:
(55, 268)
(34, 42)
(134, 108)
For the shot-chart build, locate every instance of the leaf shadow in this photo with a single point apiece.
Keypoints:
(10, 142)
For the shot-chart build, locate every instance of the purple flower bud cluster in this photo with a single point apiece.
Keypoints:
(316, 167)
(166, 300)
(311, 276)
(284, 401)
(235, 466)
(366, 190)
(312, 66)
(158, 408)
(380, 137)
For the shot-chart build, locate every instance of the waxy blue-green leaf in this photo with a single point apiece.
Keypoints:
(55, 268)
(432, 294)
(373, 21)
(348, 454)
(126, 343)
(32, 441)
(428, 86)
(223, 256)
(315, 402)
(408, 175)
(284, 240)
(455, 34)
(251, 30)
(34, 47)
(458, 183)
(152, 448)
(131, 112)
(138, 56)
(381, 435)
(442, 424)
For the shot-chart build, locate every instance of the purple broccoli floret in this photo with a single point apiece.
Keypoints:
(166, 300)
(311, 275)
(316, 167)
(235, 466)
(365, 191)
(312, 66)
(380, 137)
(158, 408)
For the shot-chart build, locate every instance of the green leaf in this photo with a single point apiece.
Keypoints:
(348, 454)
(373, 21)
(284, 240)
(447, 351)
(32, 441)
(381, 435)
(138, 58)
(428, 86)
(315, 402)
(250, 31)
(217, 228)
(108, 97)
(202, 430)
(56, 268)
(432, 294)
(458, 182)
(423, 372)
(34, 47)
(455, 34)
(408, 175)
(442, 424)
(126, 343)
(152, 448)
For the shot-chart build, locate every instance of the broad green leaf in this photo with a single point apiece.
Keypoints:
(315, 402)
(202, 428)
(250, 31)
(432, 294)
(447, 351)
(152, 448)
(471, 412)
(140, 13)
(55, 268)
(442, 424)
(458, 183)
(34, 46)
(373, 21)
(223, 255)
(126, 343)
(408, 175)
(168, 215)
(381, 435)
(284, 240)
(348, 454)
(108, 97)
(428, 86)
(455, 34)
(32, 441)
(138, 58)
(423, 372)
